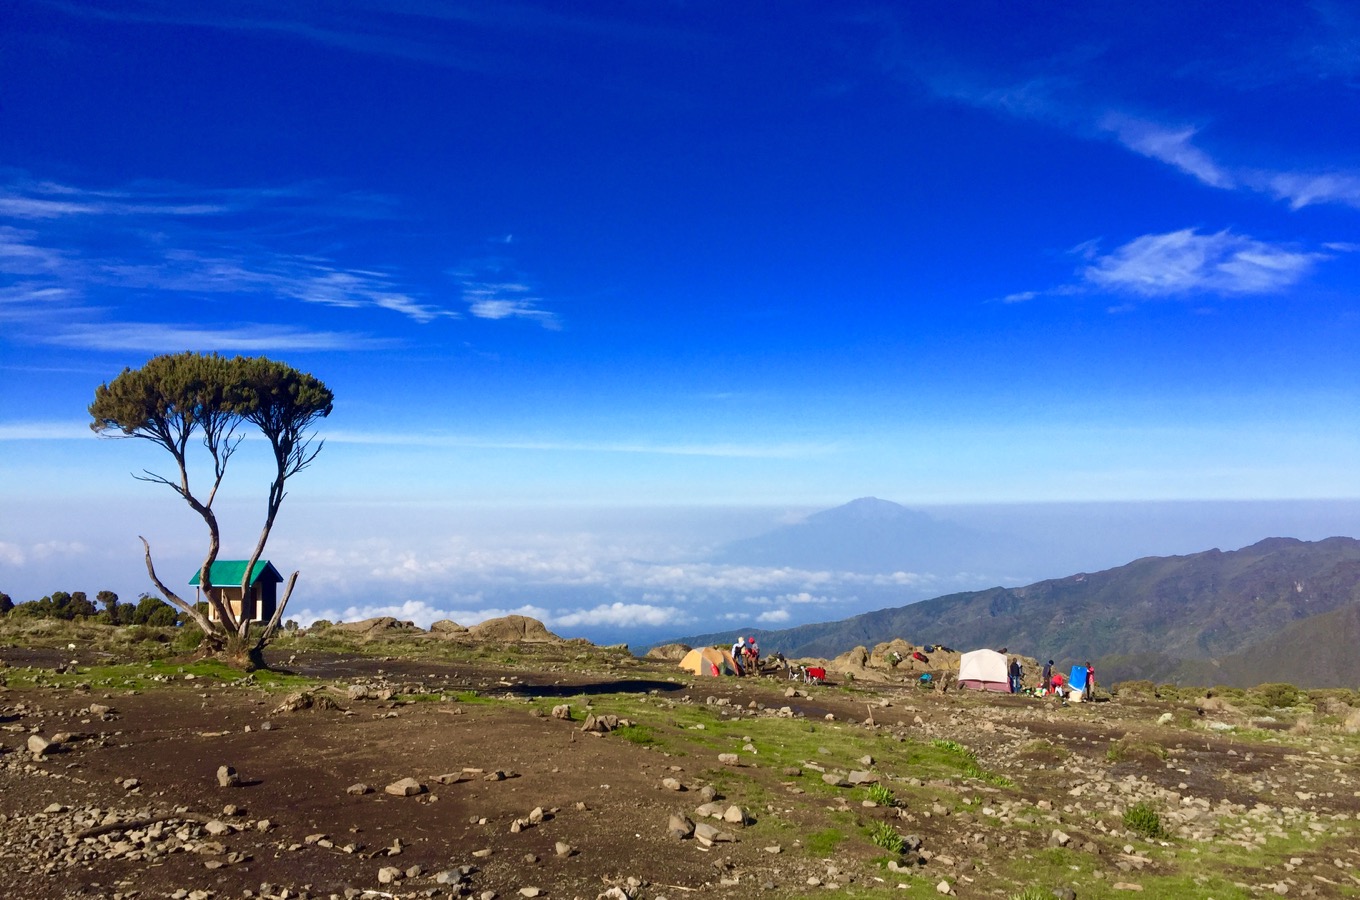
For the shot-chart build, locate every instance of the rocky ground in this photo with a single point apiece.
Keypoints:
(585, 775)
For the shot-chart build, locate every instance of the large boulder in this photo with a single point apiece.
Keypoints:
(855, 664)
(512, 629)
(446, 628)
(378, 626)
(669, 652)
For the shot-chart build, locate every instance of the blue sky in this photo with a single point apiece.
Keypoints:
(666, 255)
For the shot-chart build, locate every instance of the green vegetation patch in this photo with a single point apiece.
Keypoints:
(1142, 819)
(884, 835)
(824, 843)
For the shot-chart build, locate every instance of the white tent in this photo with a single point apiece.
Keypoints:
(984, 670)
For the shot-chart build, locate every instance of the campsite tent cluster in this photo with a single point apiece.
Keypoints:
(986, 670)
(982, 670)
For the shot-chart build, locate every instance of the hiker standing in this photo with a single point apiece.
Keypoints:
(1015, 675)
(1046, 679)
(1090, 682)
(737, 649)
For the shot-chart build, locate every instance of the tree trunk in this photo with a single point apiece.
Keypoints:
(244, 652)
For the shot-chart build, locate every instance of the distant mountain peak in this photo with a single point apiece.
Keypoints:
(873, 535)
(865, 509)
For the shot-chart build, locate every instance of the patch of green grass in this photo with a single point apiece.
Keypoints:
(1033, 893)
(882, 795)
(824, 843)
(642, 735)
(1142, 819)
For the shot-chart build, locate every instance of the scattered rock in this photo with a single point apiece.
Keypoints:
(680, 827)
(406, 787)
(228, 777)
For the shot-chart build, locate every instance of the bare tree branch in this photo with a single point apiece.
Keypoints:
(188, 609)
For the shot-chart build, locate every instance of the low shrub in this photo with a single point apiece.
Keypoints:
(1143, 819)
(1276, 696)
(1133, 689)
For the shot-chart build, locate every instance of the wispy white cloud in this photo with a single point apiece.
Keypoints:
(44, 431)
(723, 450)
(1062, 102)
(234, 247)
(1171, 145)
(160, 338)
(622, 615)
(1185, 262)
(1300, 189)
(504, 299)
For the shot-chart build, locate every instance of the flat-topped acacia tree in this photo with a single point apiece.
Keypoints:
(177, 400)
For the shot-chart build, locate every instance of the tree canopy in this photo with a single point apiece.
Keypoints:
(176, 399)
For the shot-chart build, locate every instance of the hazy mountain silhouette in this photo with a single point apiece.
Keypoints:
(878, 536)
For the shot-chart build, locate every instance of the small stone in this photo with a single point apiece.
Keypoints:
(529, 892)
(735, 815)
(482, 854)
(679, 827)
(358, 789)
(729, 759)
(228, 777)
(389, 875)
(563, 849)
(672, 784)
(38, 745)
(943, 888)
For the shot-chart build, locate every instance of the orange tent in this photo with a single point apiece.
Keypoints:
(709, 661)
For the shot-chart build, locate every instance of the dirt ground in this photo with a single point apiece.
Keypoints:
(292, 828)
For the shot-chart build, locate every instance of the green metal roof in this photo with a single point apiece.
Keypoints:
(228, 572)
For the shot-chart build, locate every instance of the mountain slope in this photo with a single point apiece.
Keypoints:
(1232, 613)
